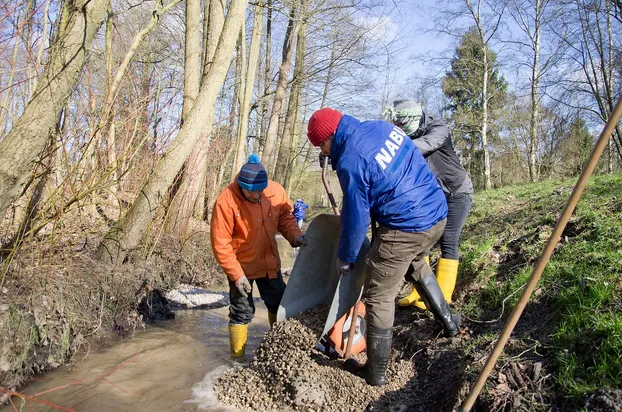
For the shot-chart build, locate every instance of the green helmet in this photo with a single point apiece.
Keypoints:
(405, 113)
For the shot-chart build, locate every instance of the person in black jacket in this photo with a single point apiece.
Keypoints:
(433, 139)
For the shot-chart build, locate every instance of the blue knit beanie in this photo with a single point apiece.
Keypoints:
(253, 175)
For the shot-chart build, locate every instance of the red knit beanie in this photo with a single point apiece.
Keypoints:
(322, 125)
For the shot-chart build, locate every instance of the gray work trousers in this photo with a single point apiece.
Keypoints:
(394, 254)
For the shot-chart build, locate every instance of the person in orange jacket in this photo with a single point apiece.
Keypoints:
(245, 219)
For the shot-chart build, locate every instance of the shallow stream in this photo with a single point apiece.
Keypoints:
(166, 367)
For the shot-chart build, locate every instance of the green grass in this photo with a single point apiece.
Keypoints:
(582, 285)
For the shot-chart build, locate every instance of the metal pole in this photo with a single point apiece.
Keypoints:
(331, 198)
(354, 311)
(353, 319)
(546, 255)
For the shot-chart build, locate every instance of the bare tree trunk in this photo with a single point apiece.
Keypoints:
(535, 100)
(206, 6)
(247, 89)
(29, 16)
(296, 95)
(145, 149)
(263, 108)
(282, 156)
(294, 142)
(273, 128)
(610, 156)
(487, 181)
(113, 89)
(485, 30)
(112, 144)
(329, 73)
(220, 175)
(594, 66)
(59, 166)
(21, 148)
(215, 22)
(192, 56)
(5, 118)
(609, 82)
(196, 167)
(241, 75)
(43, 170)
(291, 117)
(129, 231)
(44, 36)
(188, 201)
(308, 157)
(42, 173)
(88, 158)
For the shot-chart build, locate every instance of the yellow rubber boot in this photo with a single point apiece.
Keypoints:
(237, 339)
(413, 299)
(446, 274)
(420, 303)
(271, 318)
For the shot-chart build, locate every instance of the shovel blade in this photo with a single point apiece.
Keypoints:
(314, 278)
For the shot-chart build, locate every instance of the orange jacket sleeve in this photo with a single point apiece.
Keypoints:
(287, 222)
(221, 234)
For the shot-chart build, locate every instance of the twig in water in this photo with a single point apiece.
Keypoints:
(33, 399)
(84, 400)
(121, 389)
(12, 404)
(103, 377)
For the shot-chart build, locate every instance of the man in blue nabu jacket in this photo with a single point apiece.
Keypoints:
(383, 175)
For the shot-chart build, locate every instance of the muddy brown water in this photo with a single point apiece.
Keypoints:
(166, 367)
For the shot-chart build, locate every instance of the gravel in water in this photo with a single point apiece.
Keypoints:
(193, 297)
(288, 373)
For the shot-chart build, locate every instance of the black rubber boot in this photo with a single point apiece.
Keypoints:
(431, 293)
(378, 353)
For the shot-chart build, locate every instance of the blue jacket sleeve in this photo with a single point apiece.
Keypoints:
(354, 212)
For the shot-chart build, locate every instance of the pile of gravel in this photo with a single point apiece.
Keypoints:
(192, 297)
(288, 373)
